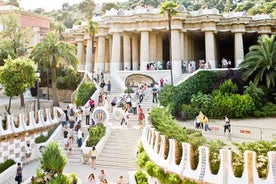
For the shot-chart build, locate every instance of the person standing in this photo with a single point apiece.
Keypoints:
(93, 156)
(154, 94)
(91, 179)
(65, 137)
(200, 119)
(70, 144)
(80, 135)
(109, 87)
(87, 115)
(28, 153)
(92, 104)
(226, 125)
(206, 123)
(19, 172)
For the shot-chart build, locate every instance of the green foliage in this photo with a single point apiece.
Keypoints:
(95, 134)
(269, 109)
(68, 79)
(202, 102)
(261, 148)
(255, 92)
(86, 7)
(166, 95)
(203, 81)
(84, 92)
(129, 90)
(260, 62)
(5, 165)
(42, 138)
(228, 87)
(53, 159)
(235, 105)
(60, 179)
(214, 157)
(141, 177)
(142, 159)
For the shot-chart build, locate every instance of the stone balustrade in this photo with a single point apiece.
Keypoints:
(155, 146)
(22, 129)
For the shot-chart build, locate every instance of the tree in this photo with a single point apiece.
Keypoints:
(87, 8)
(169, 8)
(13, 3)
(50, 53)
(260, 62)
(17, 76)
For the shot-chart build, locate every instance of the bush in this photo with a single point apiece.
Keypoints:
(68, 79)
(268, 109)
(228, 87)
(5, 165)
(42, 138)
(84, 92)
(95, 134)
(129, 90)
(141, 177)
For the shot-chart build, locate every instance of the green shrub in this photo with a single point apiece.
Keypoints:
(228, 87)
(43, 138)
(129, 90)
(202, 102)
(68, 79)
(142, 159)
(141, 177)
(268, 109)
(214, 156)
(5, 165)
(95, 134)
(84, 92)
(255, 92)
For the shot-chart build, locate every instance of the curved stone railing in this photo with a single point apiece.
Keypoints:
(23, 129)
(154, 144)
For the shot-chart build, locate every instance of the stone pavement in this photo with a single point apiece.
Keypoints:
(83, 170)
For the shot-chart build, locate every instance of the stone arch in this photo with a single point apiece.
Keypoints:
(135, 79)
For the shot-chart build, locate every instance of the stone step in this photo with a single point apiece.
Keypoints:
(117, 164)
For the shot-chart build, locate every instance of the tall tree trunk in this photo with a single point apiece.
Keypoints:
(22, 101)
(54, 87)
(9, 106)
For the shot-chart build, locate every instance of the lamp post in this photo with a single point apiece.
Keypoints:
(37, 84)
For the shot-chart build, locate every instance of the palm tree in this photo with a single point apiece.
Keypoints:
(169, 8)
(49, 53)
(260, 62)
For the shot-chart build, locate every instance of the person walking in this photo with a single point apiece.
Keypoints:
(200, 119)
(80, 135)
(102, 176)
(87, 115)
(226, 125)
(154, 94)
(91, 179)
(65, 137)
(19, 172)
(70, 144)
(109, 87)
(120, 180)
(141, 116)
(206, 124)
(93, 156)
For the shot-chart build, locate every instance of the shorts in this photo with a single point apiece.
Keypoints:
(93, 157)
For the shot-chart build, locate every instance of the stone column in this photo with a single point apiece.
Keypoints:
(239, 53)
(88, 59)
(186, 47)
(159, 54)
(176, 62)
(116, 53)
(210, 48)
(181, 45)
(107, 55)
(153, 47)
(144, 50)
(127, 52)
(135, 53)
(101, 53)
(80, 49)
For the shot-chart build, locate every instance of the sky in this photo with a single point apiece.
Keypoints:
(54, 4)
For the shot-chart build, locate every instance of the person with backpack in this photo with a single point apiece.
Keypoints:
(226, 125)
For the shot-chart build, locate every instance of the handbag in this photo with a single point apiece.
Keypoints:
(16, 178)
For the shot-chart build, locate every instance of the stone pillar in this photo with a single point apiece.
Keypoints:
(239, 53)
(144, 50)
(110, 51)
(159, 54)
(176, 62)
(88, 59)
(127, 52)
(153, 47)
(116, 53)
(80, 49)
(186, 47)
(101, 53)
(107, 56)
(181, 45)
(135, 53)
(210, 48)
